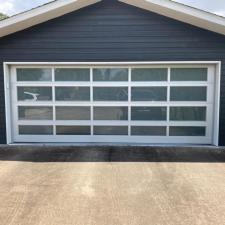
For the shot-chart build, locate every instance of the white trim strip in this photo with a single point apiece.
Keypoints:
(128, 63)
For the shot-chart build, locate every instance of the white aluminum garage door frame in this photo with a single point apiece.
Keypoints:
(212, 139)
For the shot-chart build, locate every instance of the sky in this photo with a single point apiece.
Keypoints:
(11, 7)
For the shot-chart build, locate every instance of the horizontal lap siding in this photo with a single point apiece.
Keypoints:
(113, 31)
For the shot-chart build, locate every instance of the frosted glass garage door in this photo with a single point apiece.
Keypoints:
(133, 104)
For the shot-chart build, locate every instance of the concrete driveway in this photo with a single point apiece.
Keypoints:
(112, 186)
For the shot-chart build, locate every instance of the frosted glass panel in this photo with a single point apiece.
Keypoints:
(151, 74)
(148, 131)
(73, 113)
(110, 130)
(73, 130)
(149, 93)
(72, 74)
(34, 93)
(148, 113)
(188, 94)
(187, 131)
(35, 113)
(35, 130)
(110, 93)
(35, 74)
(72, 93)
(188, 113)
(110, 113)
(189, 74)
(110, 74)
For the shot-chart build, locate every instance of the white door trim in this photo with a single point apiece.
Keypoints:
(7, 72)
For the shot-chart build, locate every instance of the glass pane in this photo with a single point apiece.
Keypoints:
(35, 113)
(37, 74)
(73, 130)
(35, 130)
(148, 113)
(148, 131)
(110, 74)
(34, 93)
(149, 93)
(73, 113)
(110, 130)
(72, 74)
(188, 113)
(189, 74)
(110, 113)
(188, 93)
(149, 74)
(72, 94)
(110, 94)
(187, 131)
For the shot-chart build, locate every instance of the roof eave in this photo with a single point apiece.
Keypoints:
(166, 8)
(182, 13)
(41, 14)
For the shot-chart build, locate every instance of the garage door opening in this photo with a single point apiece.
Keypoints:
(114, 102)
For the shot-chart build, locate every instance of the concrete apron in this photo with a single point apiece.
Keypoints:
(108, 185)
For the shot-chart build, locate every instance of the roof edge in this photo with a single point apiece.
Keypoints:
(41, 14)
(183, 13)
(168, 8)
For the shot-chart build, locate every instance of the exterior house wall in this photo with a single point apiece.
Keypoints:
(112, 31)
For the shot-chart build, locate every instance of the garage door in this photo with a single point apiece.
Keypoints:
(134, 104)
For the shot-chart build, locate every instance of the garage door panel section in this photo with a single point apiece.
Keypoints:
(142, 104)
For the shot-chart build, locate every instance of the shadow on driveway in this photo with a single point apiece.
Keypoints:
(111, 154)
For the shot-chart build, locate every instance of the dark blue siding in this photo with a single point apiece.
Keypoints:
(113, 31)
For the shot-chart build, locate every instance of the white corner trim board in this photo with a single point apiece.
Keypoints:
(16, 122)
(167, 8)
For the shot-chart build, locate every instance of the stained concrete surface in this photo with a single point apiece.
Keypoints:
(112, 186)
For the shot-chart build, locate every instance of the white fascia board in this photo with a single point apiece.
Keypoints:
(182, 13)
(166, 8)
(41, 14)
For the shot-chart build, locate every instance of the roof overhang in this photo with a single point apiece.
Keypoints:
(184, 13)
(166, 8)
(41, 14)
